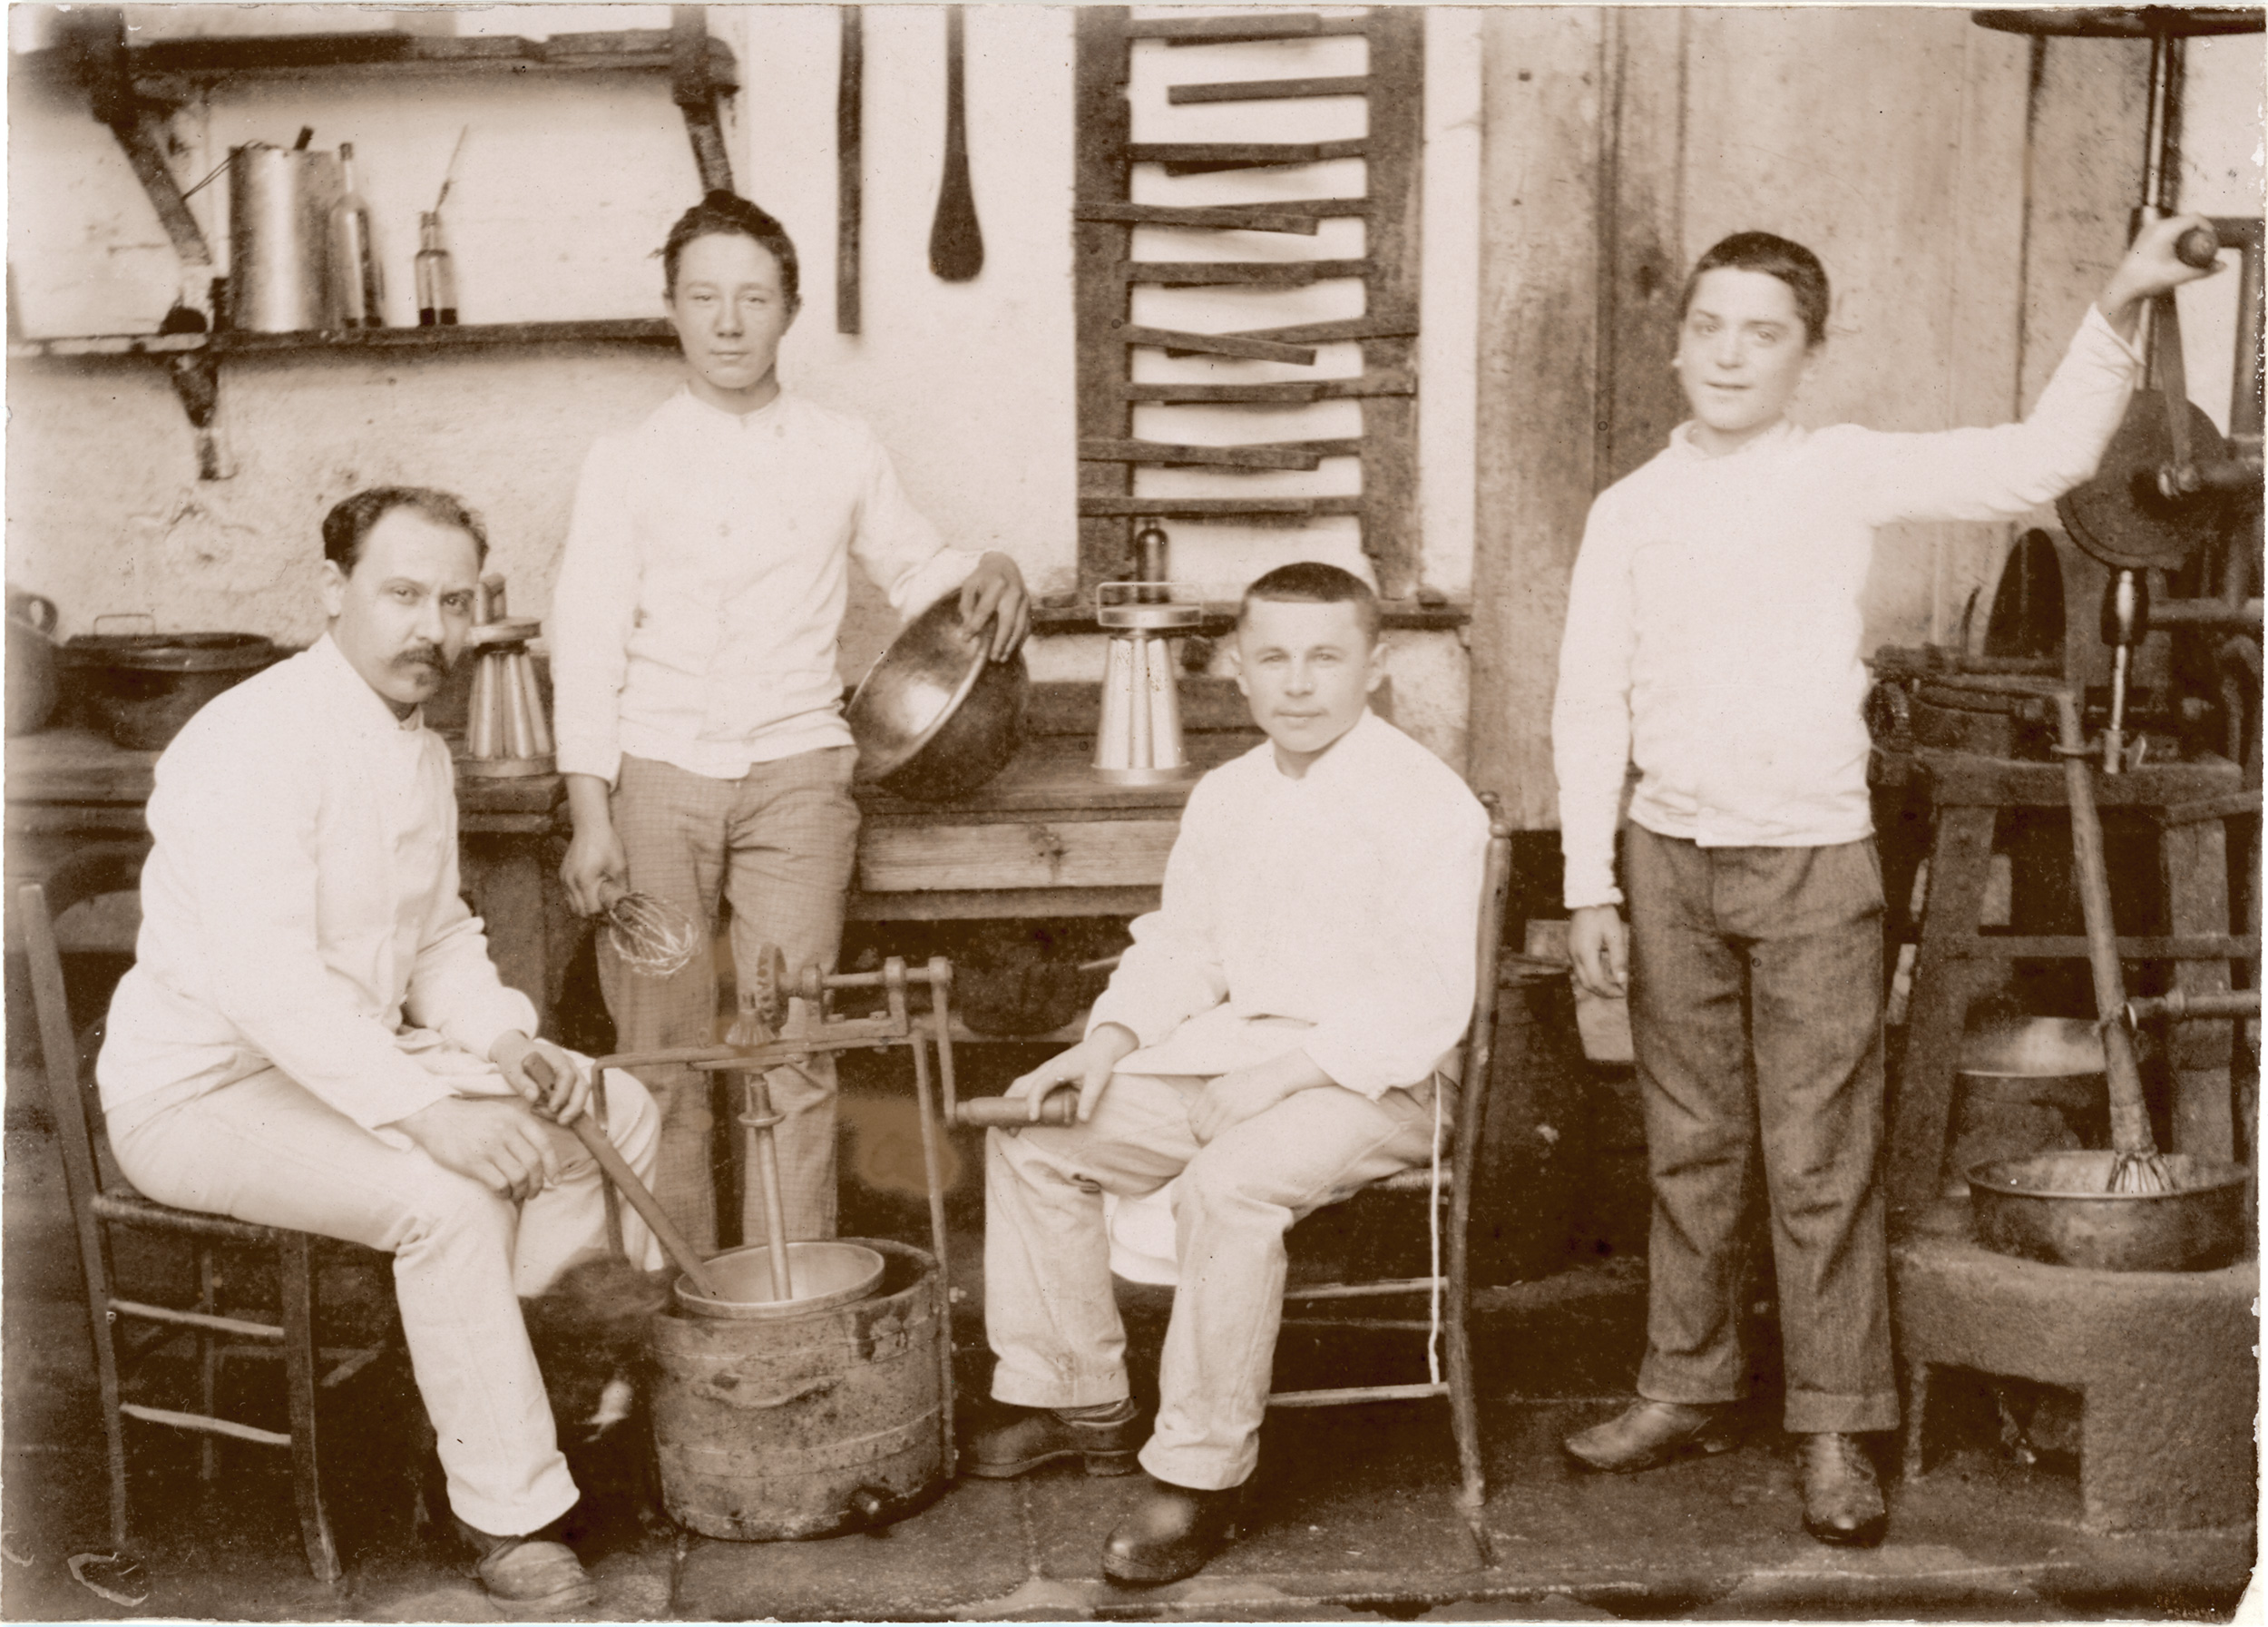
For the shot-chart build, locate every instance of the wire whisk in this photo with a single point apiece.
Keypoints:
(653, 937)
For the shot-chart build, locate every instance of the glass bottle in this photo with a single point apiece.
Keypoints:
(436, 274)
(357, 281)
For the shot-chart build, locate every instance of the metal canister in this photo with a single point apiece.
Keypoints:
(280, 201)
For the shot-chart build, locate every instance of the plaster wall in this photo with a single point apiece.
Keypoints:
(566, 185)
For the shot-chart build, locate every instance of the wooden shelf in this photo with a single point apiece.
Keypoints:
(195, 62)
(634, 330)
(1398, 615)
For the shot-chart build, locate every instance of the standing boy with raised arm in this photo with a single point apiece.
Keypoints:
(1713, 638)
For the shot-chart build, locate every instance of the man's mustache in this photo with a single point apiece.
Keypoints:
(429, 655)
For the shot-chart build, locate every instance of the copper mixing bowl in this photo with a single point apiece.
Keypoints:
(934, 717)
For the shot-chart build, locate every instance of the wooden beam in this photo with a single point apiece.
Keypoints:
(1169, 456)
(1294, 391)
(1220, 508)
(1392, 538)
(1199, 158)
(1224, 217)
(1539, 320)
(1174, 342)
(1218, 31)
(696, 96)
(1256, 273)
(1641, 230)
(850, 162)
(1268, 90)
(1101, 168)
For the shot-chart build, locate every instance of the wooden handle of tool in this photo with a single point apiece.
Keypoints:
(2129, 1115)
(1012, 1112)
(617, 1170)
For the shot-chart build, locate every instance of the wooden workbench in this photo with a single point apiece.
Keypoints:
(1044, 838)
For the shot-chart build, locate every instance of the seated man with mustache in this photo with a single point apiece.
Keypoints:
(313, 1035)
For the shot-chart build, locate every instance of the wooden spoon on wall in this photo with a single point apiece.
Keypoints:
(956, 244)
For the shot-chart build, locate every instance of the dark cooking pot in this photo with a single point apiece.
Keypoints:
(934, 718)
(31, 661)
(144, 686)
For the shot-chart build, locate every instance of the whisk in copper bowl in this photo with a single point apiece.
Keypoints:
(653, 937)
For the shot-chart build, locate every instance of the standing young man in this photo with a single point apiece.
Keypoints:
(1713, 637)
(1277, 1036)
(699, 718)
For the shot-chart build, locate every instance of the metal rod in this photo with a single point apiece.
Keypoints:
(2129, 1118)
(932, 1174)
(2180, 1007)
(941, 1020)
(764, 1160)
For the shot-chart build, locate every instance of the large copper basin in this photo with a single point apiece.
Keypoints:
(934, 718)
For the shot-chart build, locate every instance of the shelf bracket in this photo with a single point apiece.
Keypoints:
(96, 41)
(695, 92)
(196, 376)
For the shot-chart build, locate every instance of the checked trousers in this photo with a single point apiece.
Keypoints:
(778, 844)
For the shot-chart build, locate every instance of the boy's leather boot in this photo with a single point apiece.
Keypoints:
(1650, 1432)
(1029, 1437)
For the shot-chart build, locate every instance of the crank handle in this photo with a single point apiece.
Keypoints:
(2237, 474)
(1013, 1113)
(2198, 246)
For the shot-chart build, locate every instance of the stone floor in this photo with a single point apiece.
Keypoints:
(1354, 1514)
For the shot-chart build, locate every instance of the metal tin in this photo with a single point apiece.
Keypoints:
(802, 1428)
(279, 202)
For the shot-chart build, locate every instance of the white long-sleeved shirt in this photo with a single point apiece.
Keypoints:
(704, 581)
(1336, 914)
(300, 911)
(1713, 622)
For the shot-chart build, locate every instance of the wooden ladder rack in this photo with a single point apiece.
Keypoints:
(1106, 274)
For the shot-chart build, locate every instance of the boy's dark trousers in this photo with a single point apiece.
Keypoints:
(1755, 1006)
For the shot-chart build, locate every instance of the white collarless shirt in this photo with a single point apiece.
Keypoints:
(705, 576)
(1713, 622)
(300, 910)
(1337, 914)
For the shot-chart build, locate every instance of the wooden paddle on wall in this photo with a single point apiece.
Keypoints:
(956, 244)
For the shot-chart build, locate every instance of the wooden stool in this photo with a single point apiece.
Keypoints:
(1958, 960)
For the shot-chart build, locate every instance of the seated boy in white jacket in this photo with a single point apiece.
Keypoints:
(1276, 1037)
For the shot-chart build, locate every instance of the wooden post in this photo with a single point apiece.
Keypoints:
(1101, 123)
(1390, 534)
(1537, 386)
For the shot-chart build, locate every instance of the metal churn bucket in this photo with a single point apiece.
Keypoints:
(805, 1388)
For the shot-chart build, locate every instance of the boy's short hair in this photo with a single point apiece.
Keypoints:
(349, 522)
(1311, 582)
(1791, 262)
(728, 214)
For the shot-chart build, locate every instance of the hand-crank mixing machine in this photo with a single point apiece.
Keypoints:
(806, 1387)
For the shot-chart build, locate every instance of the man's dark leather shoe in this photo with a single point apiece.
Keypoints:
(1842, 1500)
(531, 1577)
(1650, 1432)
(1169, 1533)
(1032, 1436)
